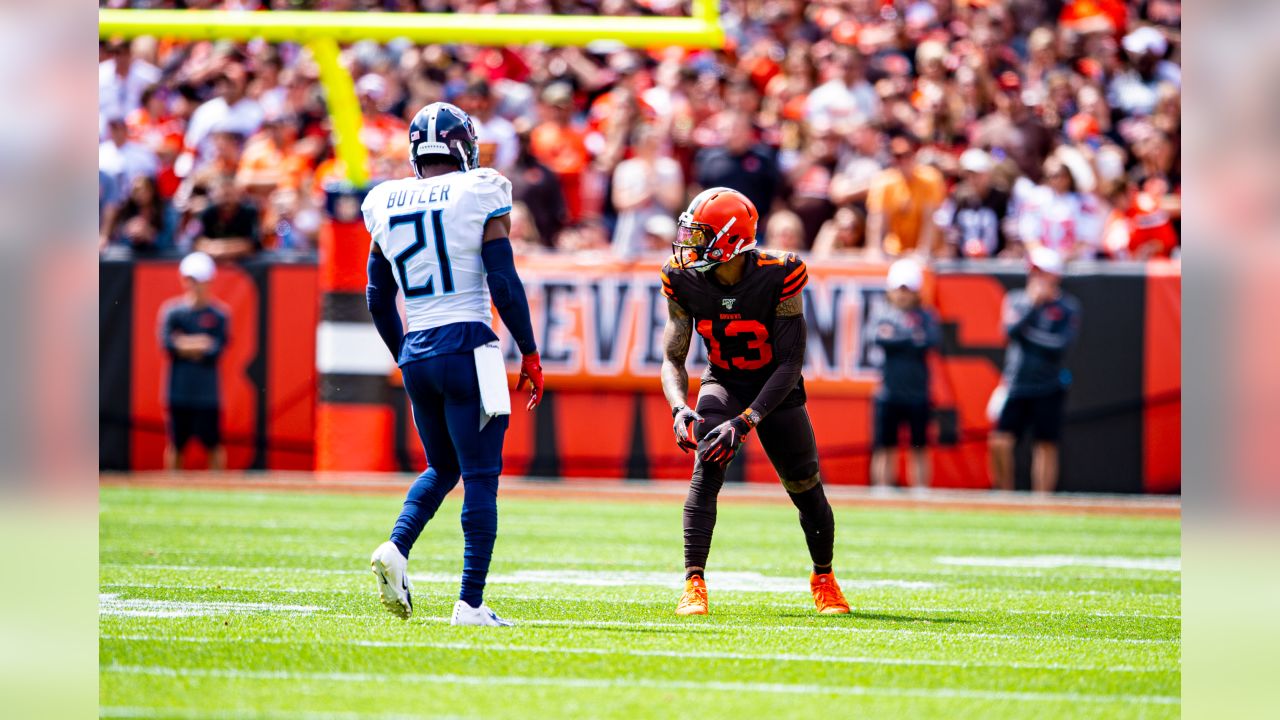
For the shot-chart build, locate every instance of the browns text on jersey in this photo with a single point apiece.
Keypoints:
(736, 322)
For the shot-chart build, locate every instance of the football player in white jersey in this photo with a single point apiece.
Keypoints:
(440, 238)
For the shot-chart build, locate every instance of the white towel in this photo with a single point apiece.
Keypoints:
(491, 372)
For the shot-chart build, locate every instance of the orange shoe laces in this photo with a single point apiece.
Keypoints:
(828, 594)
(694, 595)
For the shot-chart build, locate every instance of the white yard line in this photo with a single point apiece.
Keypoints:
(709, 655)
(1120, 562)
(641, 683)
(603, 577)
(729, 603)
(113, 604)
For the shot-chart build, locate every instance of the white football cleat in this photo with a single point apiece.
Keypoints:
(464, 614)
(392, 570)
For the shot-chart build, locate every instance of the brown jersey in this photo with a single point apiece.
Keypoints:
(736, 322)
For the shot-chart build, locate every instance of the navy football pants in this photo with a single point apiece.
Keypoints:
(446, 409)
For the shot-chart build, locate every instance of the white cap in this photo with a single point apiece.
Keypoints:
(1046, 260)
(1145, 40)
(905, 273)
(977, 160)
(661, 225)
(197, 266)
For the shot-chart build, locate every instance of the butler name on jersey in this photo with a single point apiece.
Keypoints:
(431, 230)
(736, 322)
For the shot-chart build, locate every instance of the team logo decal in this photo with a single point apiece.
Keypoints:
(728, 302)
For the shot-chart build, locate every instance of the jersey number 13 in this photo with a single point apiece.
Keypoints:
(759, 351)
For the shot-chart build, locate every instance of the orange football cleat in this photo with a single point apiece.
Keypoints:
(694, 599)
(827, 595)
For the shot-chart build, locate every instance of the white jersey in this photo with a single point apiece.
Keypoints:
(430, 230)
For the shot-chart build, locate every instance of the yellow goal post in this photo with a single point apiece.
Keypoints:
(322, 32)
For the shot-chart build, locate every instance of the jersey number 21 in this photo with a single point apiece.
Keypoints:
(420, 244)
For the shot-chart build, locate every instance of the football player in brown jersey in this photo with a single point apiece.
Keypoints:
(746, 305)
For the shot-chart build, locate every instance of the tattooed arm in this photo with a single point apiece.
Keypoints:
(675, 349)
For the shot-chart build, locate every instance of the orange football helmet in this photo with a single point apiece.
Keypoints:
(719, 225)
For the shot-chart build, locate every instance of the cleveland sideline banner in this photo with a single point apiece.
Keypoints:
(599, 327)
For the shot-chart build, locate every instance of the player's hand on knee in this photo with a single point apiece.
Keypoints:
(685, 419)
(722, 443)
(531, 372)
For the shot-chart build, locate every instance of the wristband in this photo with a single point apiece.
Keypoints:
(751, 417)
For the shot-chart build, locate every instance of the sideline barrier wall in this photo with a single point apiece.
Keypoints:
(308, 385)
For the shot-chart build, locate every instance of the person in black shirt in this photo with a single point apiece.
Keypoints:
(193, 331)
(901, 333)
(229, 227)
(1041, 322)
(742, 164)
(973, 220)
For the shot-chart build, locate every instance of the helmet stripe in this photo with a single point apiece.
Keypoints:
(431, 123)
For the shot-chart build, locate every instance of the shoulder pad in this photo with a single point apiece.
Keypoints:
(797, 276)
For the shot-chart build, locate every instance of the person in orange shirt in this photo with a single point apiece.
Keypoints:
(270, 160)
(902, 203)
(560, 146)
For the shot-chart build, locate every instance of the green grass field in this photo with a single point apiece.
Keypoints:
(240, 604)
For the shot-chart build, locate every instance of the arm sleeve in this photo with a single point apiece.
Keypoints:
(1017, 314)
(508, 292)
(166, 330)
(219, 336)
(1059, 338)
(896, 339)
(932, 330)
(380, 295)
(789, 337)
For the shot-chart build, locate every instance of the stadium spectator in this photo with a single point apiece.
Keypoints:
(902, 202)
(141, 222)
(845, 98)
(560, 145)
(644, 186)
(841, 236)
(1041, 322)
(804, 96)
(659, 234)
(973, 220)
(785, 232)
(809, 179)
(1058, 216)
(524, 235)
(740, 163)
(230, 226)
(499, 143)
(901, 333)
(193, 332)
(538, 189)
(123, 159)
(229, 111)
(122, 78)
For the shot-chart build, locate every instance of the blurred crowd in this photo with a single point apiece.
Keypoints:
(947, 128)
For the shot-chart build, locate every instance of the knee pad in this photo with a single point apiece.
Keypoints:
(801, 479)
